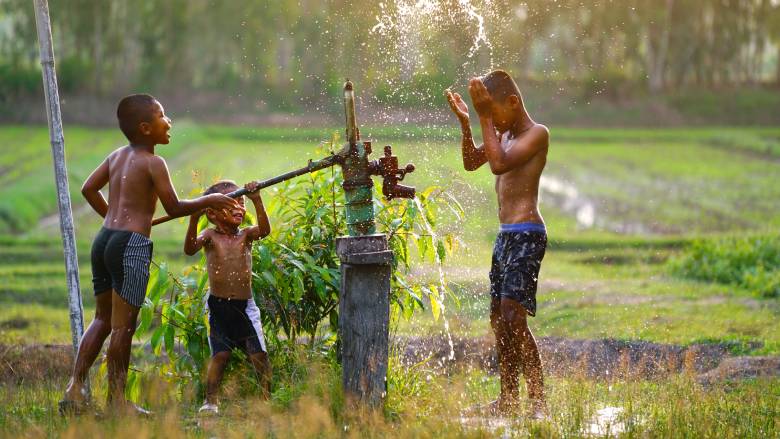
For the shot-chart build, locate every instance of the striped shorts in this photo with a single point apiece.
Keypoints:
(120, 260)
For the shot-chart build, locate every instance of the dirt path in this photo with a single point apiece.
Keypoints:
(595, 359)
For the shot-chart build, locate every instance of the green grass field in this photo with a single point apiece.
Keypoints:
(647, 195)
(671, 185)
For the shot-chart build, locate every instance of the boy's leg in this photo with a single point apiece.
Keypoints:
(262, 366)
(89, 346)
(503, 346)
(214, 375)
(524, 354)
(123, 320)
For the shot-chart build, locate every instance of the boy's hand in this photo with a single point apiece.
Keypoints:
(252, 191)
(483, 102)
(458, 106)
(196, 215)
(221, 201)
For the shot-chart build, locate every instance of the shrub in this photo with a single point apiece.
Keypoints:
(752, 263)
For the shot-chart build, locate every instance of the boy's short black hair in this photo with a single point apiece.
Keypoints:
(132, 110)
(500, 85)
(220, 187)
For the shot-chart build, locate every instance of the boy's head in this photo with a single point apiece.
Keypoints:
(226, 218)
(507, 100)
(142, 120)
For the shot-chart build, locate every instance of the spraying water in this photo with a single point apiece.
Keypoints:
(409, 17)
(408, 32)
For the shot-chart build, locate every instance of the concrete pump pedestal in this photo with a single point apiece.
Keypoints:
(364, 316)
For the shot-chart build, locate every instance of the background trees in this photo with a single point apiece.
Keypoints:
(286, 54)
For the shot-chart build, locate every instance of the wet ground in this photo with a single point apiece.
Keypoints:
(595, 359)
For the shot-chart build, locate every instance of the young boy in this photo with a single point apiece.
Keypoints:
(515, 147)
(122, 250)
(234, 319)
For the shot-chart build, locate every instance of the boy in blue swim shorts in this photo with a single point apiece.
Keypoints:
(515, 148)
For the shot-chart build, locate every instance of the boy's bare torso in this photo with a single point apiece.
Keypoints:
(229, 264)
(131, 194)
(518, 190)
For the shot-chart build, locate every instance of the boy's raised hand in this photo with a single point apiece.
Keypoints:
(483, 102)
(252, 190)
(458, 106)
(221, 201)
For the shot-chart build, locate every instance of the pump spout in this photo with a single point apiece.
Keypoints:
(353, 134)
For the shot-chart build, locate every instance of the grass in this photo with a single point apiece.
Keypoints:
(306, 403)
(595, 283)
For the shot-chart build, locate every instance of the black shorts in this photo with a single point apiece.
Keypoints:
(517, 257)
(234, 323)
(120, 260)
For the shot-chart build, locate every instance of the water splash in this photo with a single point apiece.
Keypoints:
(442, 284)
(409, 28)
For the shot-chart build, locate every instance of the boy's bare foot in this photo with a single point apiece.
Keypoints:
(69, 407)
(129, 408)
(537, 410)
(74, 401)
(495, 408)
(208, 409)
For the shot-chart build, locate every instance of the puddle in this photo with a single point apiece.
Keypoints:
(606, 422)
(570, 200)
(500, 427)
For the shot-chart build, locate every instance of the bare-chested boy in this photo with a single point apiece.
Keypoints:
(515, 147)
(122, 250)
(234, 319)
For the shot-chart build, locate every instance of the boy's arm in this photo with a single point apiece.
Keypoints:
(171, 203)
(263, 227)
(194, 242)
(520, 151)
(91, 188)
(473, 157)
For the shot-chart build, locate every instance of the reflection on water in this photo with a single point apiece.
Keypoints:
(570, 200)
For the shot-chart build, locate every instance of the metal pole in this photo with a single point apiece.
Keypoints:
(43, 24)
(358, 186)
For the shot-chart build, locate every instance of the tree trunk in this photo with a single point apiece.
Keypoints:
(98, 48)
(657, 56)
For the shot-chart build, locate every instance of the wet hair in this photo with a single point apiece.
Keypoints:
(500, 85)
(132, 110)
(220, 187)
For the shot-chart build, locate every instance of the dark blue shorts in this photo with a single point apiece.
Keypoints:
(517, 257)
(234, 324)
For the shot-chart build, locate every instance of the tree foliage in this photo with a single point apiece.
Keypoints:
(294, 53)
